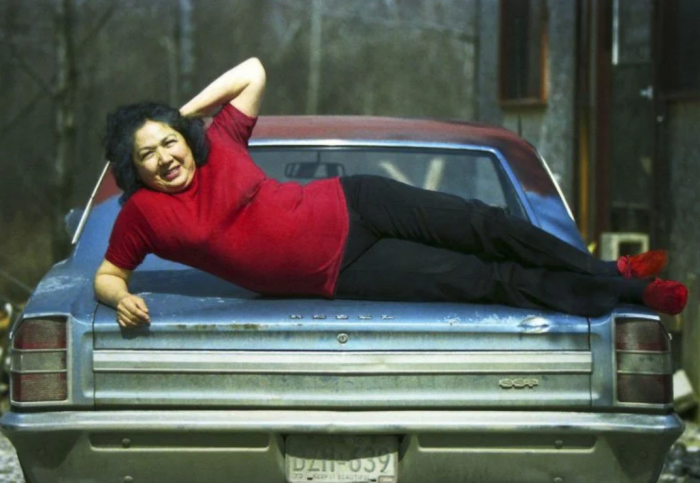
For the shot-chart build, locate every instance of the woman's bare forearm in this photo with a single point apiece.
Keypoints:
(110, 289)
(247, 79)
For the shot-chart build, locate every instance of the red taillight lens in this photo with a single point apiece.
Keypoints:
(640, 335)
(38, 355)
(647, 388)
(41, 334)
(643, 358)
(39, 387)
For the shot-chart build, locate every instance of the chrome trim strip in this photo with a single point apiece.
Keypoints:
(625, 406)
(342, 362)
(659, 363)
(378, 422)
(32, 362)
(88, 207)
(372, 143)
(637, 372)
(643, 352)
(556, 185)
(635, 316)
(35, 351)
(47, 371)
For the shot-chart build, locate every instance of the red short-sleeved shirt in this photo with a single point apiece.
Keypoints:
(234, 222)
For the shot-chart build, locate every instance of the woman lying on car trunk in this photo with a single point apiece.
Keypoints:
(194, 195)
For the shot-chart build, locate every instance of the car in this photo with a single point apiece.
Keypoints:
(227, 385)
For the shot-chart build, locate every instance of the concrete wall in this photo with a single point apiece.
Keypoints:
(549, 128)
(684, 159)
(486, 107)
(373, 57)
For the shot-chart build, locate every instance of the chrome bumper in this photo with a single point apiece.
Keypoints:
(436, 446)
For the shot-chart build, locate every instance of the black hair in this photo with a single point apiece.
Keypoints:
(118, 141)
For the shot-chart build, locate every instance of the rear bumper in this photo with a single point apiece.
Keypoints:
(436, 446)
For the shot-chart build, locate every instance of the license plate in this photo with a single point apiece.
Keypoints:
(340, 459)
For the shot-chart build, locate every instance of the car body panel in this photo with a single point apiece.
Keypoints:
(351, 380)
(256, 323)
(435, 446)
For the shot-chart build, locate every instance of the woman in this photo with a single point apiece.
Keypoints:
(198, 198)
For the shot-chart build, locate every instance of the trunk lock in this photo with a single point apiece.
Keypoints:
(343, 338)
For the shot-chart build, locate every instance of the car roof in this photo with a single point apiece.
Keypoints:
(371, 128)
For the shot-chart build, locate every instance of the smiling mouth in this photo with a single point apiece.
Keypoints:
(171, 174)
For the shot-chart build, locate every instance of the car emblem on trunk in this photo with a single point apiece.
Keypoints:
(521, 383)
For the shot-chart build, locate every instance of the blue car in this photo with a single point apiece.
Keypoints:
(228, 386)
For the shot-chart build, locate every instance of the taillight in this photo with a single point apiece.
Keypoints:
(644, 366)
(36, 334)
(38, 361)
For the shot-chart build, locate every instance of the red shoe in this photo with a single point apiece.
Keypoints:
(665, 296)
(645, 265)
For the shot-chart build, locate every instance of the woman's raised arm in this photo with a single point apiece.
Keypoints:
(243, 86)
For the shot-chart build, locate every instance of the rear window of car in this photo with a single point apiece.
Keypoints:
(469, 174)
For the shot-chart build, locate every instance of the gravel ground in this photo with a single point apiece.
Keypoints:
(10, 471)
(682, 462)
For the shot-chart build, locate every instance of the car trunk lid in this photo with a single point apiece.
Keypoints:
(239, 349)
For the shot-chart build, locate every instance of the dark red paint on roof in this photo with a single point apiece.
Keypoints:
(379, 129)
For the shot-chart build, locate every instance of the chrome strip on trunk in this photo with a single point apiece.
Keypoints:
(376, 422)
(342, 363)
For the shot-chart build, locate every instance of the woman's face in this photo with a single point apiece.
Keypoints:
(163, 159)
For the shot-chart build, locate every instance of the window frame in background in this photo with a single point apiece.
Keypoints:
(677, 28)
(532, 72)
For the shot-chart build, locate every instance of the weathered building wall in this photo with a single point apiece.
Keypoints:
(632, 121)
(684, 160)
(375, 57)
(683, 156)
(487, 108)
(556, 140)
(549, 128)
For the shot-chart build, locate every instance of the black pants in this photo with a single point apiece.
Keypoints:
(407, 243)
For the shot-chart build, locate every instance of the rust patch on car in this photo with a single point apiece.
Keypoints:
(206, 327)
(247, 326)
(197, 327)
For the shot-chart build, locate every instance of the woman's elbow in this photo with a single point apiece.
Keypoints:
(98, 281)
(257, 70)
(97, 286)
